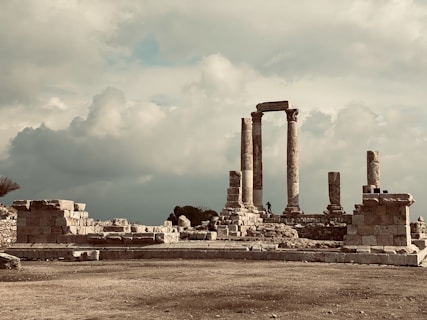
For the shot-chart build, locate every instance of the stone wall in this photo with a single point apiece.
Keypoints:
(52, 221)
(335, 233)
(382, 220)
(7, 226)
(7, 232)
(316, 226)
(325, 219)
(65, 221)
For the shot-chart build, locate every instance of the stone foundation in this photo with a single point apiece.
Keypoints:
(381, 221)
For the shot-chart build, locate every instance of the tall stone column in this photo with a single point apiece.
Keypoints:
(257, 159)
(373, 171)
(246, 163)
(334, 187)
(292, 163)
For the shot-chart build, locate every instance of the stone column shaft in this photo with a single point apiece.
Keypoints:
(257, 159)
(334, 188)
(373, 171)
(292, 163)
(373, 168)
(246, 162)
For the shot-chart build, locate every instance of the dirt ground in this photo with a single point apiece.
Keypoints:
(211, 289)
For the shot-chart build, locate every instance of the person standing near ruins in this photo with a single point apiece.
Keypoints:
(268, 206)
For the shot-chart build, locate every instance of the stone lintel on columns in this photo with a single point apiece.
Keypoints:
(272, 106)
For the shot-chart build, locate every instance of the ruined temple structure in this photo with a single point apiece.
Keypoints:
(244, 196)
(378, 231)
(381, 223)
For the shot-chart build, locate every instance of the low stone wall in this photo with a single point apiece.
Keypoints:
(317, 226)
(65, 221)
(326, 219)
(7, 232)
(335, 233)
(51, 221)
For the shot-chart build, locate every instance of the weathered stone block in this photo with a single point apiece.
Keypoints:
(184, 222)
(95, 238)
(79, 206)
(365, 230)
(21, 238)
(369, 240)
(358, 220)
(84, 255)
(385, 240)
(401, 241)
(234, 190)
(24, 214)
(46, 230)
(211, 235)
(222, 232)
(350, 239)
(114, 238)
(235, 178)
(114, 229)
(385, 230)
(52, 204)
(61, 222)
(76, 215)
(403, 230)
(420, 243)
(370, 200)
(232, 197)
(394, 199)
(403, 211)
(33, 221)
(167, 237)
(56, 230)
(8, 261)
(233, 228)
(21, 222)
(372, 219)
(71, 230)
(38, 239)
(21, 205)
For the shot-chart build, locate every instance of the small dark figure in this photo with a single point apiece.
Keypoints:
(268, 206)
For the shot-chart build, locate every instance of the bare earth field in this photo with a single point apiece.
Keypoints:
(211, 289)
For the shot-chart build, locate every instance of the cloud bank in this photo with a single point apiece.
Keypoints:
(134, 106)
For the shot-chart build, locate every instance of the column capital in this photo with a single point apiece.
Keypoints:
(291, 114)
(256, 117)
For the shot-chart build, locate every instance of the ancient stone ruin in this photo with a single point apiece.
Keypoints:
(378, 231)
(7, 226)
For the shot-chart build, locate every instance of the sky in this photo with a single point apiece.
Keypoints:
(135, 107)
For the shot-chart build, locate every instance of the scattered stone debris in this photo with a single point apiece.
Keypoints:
(8, 261)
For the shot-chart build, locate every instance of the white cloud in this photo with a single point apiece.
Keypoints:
(56, 103)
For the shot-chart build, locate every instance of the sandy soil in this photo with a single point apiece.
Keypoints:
(211, 289)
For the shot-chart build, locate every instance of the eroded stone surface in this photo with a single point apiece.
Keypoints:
(8, 261)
